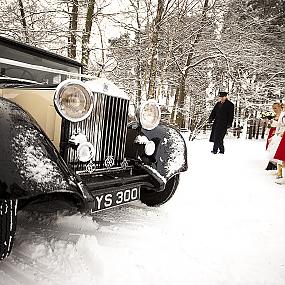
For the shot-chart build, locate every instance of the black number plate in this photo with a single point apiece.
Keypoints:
(113, 199)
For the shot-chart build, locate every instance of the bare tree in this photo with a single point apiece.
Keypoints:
(168, 49)
(252, 40)
(87, 32)
(73, 26)
(23, 20)
(153, 48)
(177, 116)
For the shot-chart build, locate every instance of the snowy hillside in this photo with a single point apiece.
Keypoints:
(225, 225)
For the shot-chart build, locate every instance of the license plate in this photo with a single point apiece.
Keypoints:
(113, 199)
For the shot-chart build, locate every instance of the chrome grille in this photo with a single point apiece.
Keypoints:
(105, 128)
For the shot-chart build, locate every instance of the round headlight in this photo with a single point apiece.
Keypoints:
(149, 114)
(73, 100)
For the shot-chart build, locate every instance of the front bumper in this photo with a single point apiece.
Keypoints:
(105, 182)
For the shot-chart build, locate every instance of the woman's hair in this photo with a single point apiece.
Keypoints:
(278, 104)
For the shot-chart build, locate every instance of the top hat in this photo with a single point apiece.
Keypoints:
(223, 94)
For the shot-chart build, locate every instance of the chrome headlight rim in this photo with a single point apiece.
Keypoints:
(141, 111)
(63, 85)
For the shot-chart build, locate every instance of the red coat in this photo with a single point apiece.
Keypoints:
(280, 152)
(270, 134)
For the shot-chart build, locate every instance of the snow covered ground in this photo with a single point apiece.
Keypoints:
(225, 225)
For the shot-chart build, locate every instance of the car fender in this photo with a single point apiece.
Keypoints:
(170, 156)
(29, 163)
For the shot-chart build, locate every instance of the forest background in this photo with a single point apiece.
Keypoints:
(180, 52)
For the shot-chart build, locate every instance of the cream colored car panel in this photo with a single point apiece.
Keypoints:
(39, 103)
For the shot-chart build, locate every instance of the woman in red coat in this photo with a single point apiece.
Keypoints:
(280, 152)
(277, 108)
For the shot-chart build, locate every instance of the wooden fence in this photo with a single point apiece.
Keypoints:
(256, 129)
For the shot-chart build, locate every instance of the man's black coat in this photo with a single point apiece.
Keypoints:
(223, 115)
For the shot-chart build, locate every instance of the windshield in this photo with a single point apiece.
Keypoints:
(32, 66)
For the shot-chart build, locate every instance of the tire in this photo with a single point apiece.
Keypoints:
(153, 198)
(8, 220)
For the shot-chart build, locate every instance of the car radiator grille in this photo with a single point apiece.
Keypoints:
(105, 128)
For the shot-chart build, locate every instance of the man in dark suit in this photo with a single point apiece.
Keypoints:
(222, 115)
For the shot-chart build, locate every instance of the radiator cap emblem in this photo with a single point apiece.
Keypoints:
(109, 161)
(105, 87)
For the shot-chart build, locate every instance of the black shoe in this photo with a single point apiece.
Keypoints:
(214, 152)
(221, 152)
(271, 166)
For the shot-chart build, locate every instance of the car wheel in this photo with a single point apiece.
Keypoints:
(8, 219)
(153, 198)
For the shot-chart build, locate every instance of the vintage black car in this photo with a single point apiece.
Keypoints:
(68, 139)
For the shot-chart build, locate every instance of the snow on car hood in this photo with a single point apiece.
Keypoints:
(105, 86)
